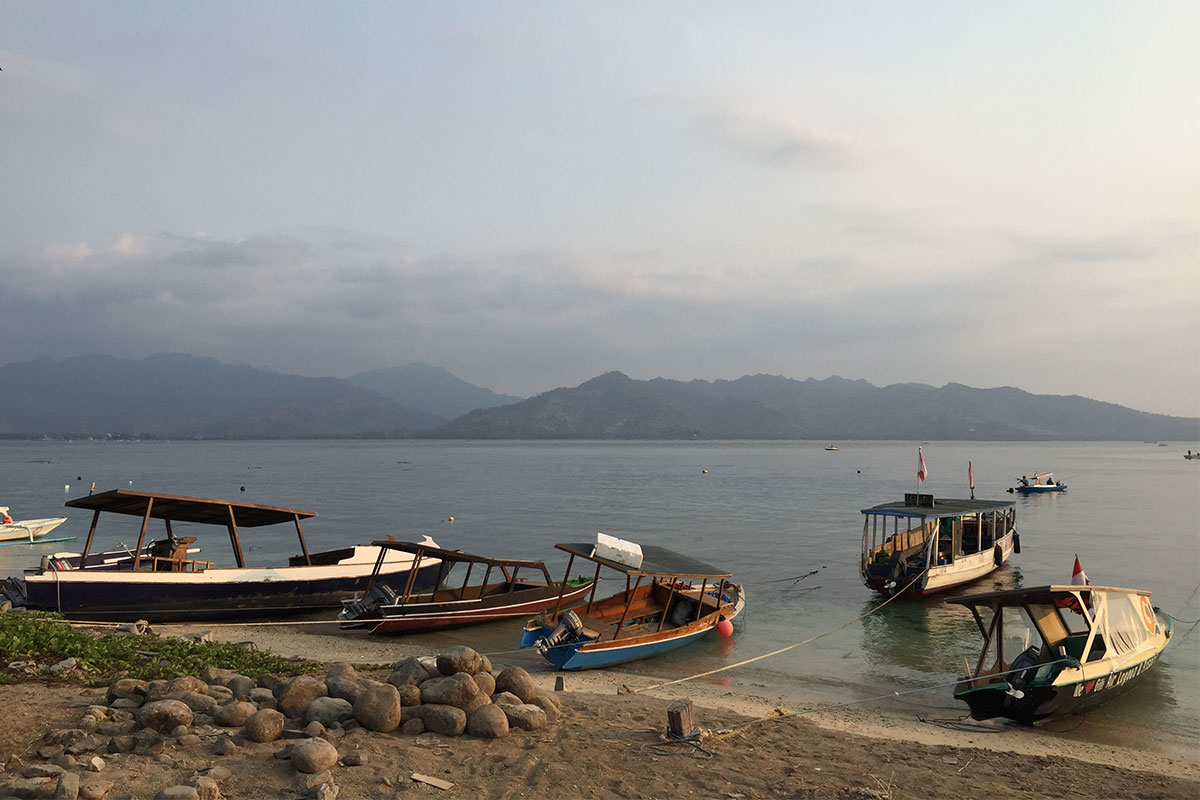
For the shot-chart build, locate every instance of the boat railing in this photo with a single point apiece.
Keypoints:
(168, 564)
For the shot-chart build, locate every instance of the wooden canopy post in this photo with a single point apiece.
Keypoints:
(88, 545)
(563, 589)
(299, 533)
(236, 542)
(667, 606)
(700, 599)
(595, 583)
(628, 603)
(412, 576)
(137, 554)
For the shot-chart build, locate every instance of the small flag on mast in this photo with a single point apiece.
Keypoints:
(971, 480)
(922, 472)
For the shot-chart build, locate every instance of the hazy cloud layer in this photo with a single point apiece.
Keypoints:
(531, 197)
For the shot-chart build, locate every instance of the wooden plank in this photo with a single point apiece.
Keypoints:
(432, 781)
(681, 718)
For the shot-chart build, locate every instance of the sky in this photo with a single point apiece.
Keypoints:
(532, 194)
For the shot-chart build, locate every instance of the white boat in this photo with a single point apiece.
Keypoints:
(923, 545)
(26, 528)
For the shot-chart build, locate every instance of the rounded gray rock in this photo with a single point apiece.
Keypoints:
(164, 715)
(313, 756)
(525, 716)
(378, 708)
(459, 658)
(458, 690)
(486, 682)
(329, 711)
(127, 688)
(264, 725)
(446, 720)
(186, 683)
(487, 722)
(409, 671)
(295, 695)
(506, 699)
(517, 681)
(233, 715)
(243, 687)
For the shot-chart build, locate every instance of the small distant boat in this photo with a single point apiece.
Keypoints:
(664, 608)
(168, 585)
(500, 595)
(925, 545)
(1038, 483)
(1055, 650)
(1190, 456)
(30, 529)
(832, 448)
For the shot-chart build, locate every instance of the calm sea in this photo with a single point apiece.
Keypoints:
(783, 517)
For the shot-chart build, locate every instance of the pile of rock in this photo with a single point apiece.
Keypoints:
(451, 694)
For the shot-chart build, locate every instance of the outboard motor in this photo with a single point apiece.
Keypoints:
(380, 595)
(568, 630)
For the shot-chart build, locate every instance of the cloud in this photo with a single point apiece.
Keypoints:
(774, 133)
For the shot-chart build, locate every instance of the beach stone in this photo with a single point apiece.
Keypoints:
(443, 719)
(123, 743)
(197, 702)
(95, 764)
(459, 658)
(553, 698)
(63, 736)
(243, 687)
(344, 686)
(260, 695)
(410, 671)
(114, 728)
(269, 680)
(85, 745)
(164, 715)
(233, 715)
(30, 787)
(295, 695)
(41, 771)
(127, 688)
(314, 729)
(355, 758)
(157, 690)
(128, 702)
(548, 706)
(506, 699)
(222, 694)
(178, 793)
(378, 708)
(525, 716)
(187, 683)
(206, 788)
(329, 711)
(487, 722)
(313, 756)
(217, 675)
(68, 787)
(486, 663)
(218, 773)
(517, 681)
(225, 746)
(412, 727)
(94, 787)
(146, 743)
(410, 694)
(341, 670)
(486, 682)
(264, 725)
(453, 690)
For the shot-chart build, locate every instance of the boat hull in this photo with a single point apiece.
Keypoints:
(591, 654)
(29, 528)
(940, 578)
(1040, 489)
(420, 617)
(215, 593)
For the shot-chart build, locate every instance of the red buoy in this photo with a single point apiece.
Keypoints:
(725, 628)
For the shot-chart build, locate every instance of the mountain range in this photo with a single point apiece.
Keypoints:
(173, 395)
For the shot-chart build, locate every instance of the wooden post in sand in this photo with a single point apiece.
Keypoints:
(681, 718)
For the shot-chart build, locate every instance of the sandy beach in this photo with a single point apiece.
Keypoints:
(609, 743)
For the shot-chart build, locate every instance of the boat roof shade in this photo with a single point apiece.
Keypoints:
(657, 561)
(941, 508)
(1035, 594)
(453, 555)
(188, 509)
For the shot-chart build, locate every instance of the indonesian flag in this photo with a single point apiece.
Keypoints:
(922, 472)
(970, 477)
(1078, 576)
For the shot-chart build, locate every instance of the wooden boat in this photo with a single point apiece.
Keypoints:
(1054, 650)
(169, 585)
(832, 448)
(1038, 483)
(502, 594)
(16, 530)
(662, 609)
(923, 545)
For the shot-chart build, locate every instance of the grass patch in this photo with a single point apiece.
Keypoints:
(45, 640)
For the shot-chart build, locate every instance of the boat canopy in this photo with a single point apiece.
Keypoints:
(187, 509)
(657, 562)
(174, 508)
(445, 555)
(940, 508)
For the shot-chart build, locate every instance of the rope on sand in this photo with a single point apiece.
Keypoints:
(809, 640)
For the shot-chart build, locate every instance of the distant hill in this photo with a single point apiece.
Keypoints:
(614, 406)
(430, 389)
(174, 395)
(181, 396)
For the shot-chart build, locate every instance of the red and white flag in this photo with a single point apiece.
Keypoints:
(1078, 576)
(922, 472)
(970, 477)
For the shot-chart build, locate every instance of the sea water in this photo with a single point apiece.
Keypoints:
(783, 517)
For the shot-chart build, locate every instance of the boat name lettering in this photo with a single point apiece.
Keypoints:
(1115, 679)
